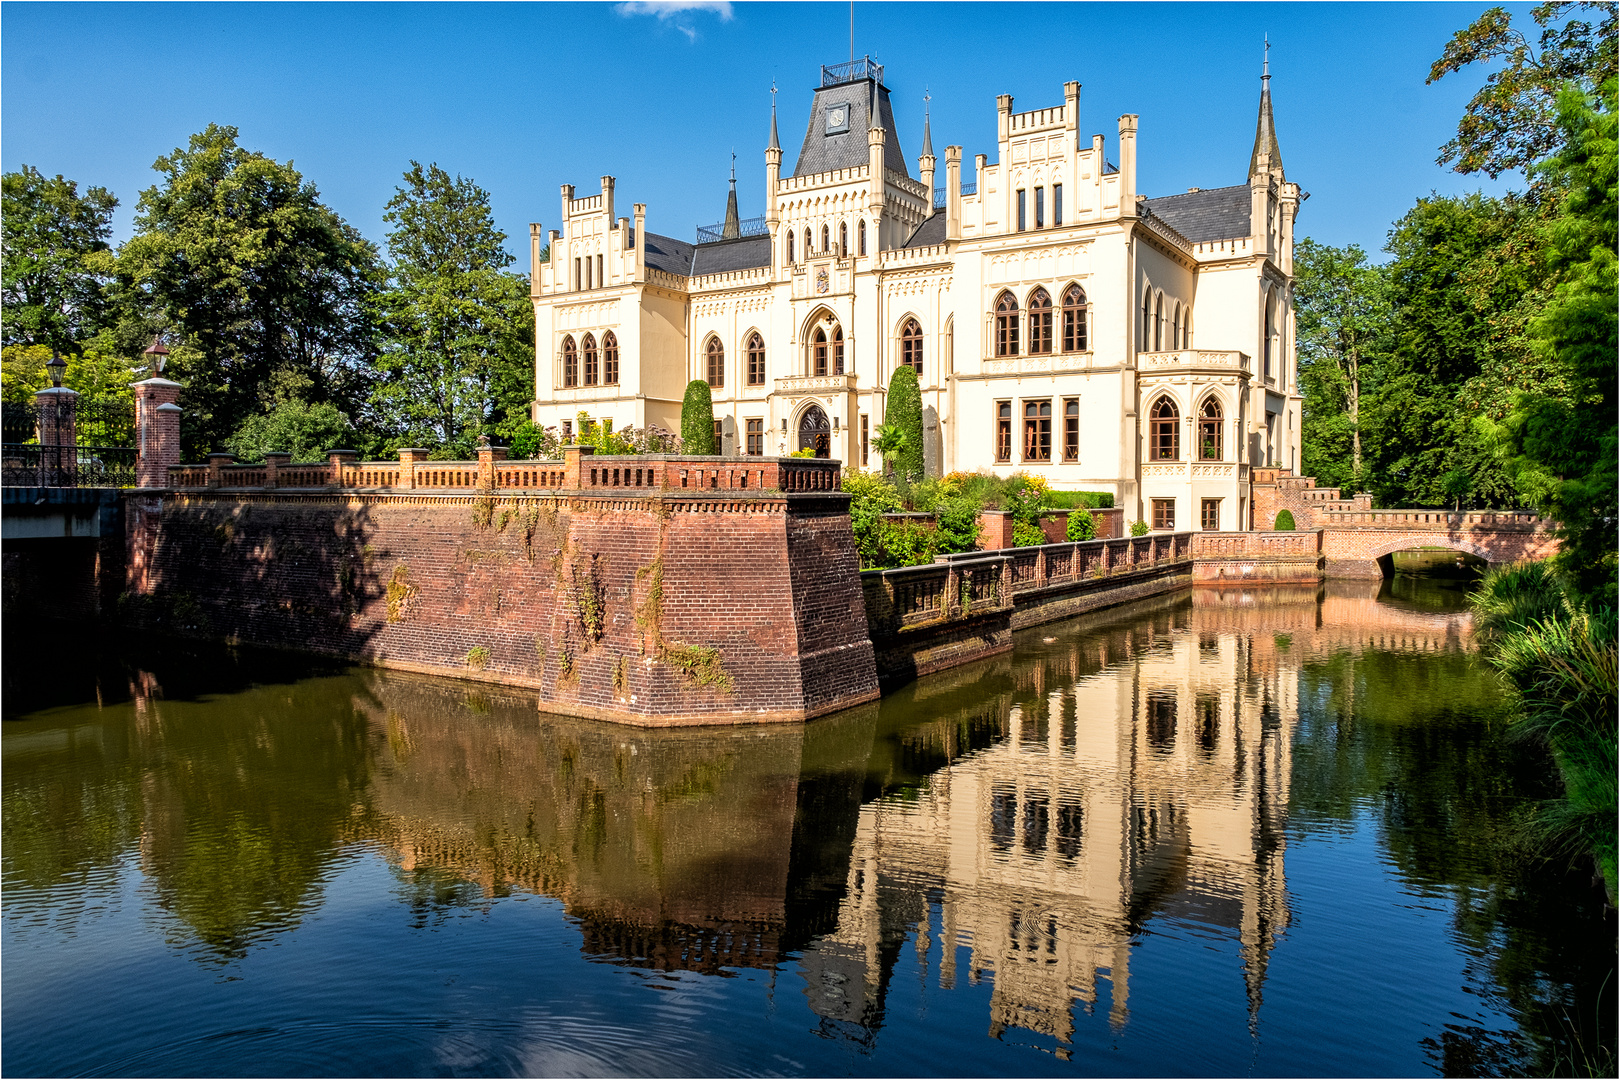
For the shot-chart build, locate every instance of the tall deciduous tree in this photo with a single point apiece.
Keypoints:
(458, 326)
(1342, 313)
(1509, 124)
(56, 261)
(1571, 437)
(268, 287)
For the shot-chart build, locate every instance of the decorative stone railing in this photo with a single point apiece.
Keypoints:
(580, 470)
(1195, 470)
(1433, 520)
(1057, 564)
(1257, 545)
(814, 384)
(1217, 359)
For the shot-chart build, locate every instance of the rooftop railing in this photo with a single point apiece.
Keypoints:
(754, 226)
(863, 68)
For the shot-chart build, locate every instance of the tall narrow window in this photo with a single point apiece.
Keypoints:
(861, 233)
(1040, 321)
(756, 360)
(1074, 319)
(1270, 329)
(911, 347)
(807, 245)
(719, 434)
(843, 240)
(1209, 515)
(838, 350)
(826, 240)
(1003, 431)
(790, 249)
(610, 359)
(579, 280)
(1021, 225)
(716, 362)
(1006, 325)
(1057, 204)
(866, 441)
(588, 347)
(568, 432)
(1158, 323)
(1146, 344)
(1037, 431)
(1040, 208)
(1164, 431)
(1071, 429)
(818, 353)
(570, 362)
(601, 278)
(1209, 430)
(756, 438)
(587, 271)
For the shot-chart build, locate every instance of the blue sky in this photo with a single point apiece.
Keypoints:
(525, 97)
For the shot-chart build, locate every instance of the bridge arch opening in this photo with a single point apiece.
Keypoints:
(1454, 562)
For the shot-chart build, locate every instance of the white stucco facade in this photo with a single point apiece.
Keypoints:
(1103, 339)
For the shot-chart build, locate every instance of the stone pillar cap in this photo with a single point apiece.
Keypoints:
(155, 381)
(56, 390)
(168, 406)
(217, 453)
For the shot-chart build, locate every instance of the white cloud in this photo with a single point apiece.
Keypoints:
(676, 12)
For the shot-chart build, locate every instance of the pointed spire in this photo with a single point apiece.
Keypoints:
(733, 226)
(928, 139)
(776, 144)
(1265, 129)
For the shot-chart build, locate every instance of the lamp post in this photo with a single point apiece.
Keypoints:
(56, 367)
(156, 356)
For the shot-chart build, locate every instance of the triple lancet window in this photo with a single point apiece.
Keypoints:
(601, 366)
(1043, 327)
(827, 354)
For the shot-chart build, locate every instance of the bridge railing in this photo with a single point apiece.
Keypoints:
(1257, 545)
(1433, 520)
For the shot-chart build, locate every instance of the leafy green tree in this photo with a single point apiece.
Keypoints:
(697, 419)
(270, 290)
(1509, 124)
(903, 414)
(56, 262)
(1342, 312)
(458, 327)
(1570, 438)
(306, 432)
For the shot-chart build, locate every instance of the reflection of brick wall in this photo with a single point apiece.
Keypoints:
(561, 592)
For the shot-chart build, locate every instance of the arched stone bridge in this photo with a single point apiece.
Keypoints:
(1361, 543)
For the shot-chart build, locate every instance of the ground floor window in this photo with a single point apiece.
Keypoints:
(1003, 431)
(1209, 515)
(866, 444)
(568, 431)
(1037, 431)
(719, 429)
(1164, 514)
(756, 437)
(1071, 429)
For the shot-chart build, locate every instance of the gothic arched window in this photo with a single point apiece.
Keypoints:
(1040, 321)
(843, 241)
(756, 359)
(807, 244)
(826, 240)
(838, 350)
(1007, 325)
(570, 362)
(1158, 323)
(1164, 431)
(1074, 319)
(588, 347)
(818, 353)
(610, 359)
(861, 233)
(1209, 430)
(911, 347)
(1146, 344)
(716, 362)
(790, 249)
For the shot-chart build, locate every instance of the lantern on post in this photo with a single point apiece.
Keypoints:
(56, 367)
(156, 356)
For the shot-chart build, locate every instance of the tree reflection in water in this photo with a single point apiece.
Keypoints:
(1027, 820)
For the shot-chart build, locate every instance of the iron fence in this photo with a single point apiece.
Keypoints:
(96, 422)
(33, 465)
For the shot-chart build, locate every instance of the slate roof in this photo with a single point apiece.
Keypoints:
(744, 254)
(823, 153)
(668, 254)
(1202, 216)
(929, 233)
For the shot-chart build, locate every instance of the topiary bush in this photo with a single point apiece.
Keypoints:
(1082, 526)
(1285, 521)
(697, 419)
(904, 414)
(1139, 528)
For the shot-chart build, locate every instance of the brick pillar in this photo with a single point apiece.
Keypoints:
(157, 431)
(408, 457)
(571, 464)
(216, 466)
(487, 457)
(274, 462)
(58, 435)
(340, 460)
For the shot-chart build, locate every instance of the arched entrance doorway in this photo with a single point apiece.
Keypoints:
(815, 433)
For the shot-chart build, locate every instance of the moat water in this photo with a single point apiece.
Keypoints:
(1268, 833)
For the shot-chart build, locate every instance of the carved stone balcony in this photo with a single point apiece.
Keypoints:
(816, 384)
(1195, 470)
(1224, 360)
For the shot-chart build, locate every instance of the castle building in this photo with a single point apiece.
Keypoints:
(1059, 322)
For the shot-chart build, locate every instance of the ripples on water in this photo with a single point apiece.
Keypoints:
(1267, 833)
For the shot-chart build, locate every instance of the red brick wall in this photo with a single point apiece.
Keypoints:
(560, 591)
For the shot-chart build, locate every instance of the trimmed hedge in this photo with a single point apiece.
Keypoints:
(1285, 521)
(697, 419)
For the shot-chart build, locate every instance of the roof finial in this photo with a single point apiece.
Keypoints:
(1265, 69)
(776, 144)
(734, 166)
(928, 138)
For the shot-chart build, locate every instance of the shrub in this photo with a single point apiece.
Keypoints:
(1069, 500)
(1082, 526)
(304, 431)
(957, 519)
(1285, 521)
(1511, 598)
(1139, 528)
(1026, 535)
(697, 419)
(906, 543)
(872, 497)
(903, 416)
